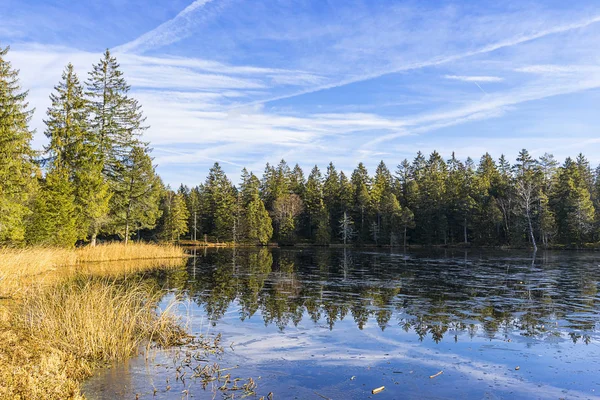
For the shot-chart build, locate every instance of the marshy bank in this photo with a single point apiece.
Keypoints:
(65, 312)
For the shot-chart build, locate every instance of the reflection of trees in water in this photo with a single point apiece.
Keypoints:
(428, 296)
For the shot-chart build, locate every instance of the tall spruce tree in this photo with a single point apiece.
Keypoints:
(361, 184)
(313, 200)
(571, 203)
(220, 200)
(256, 222)
(175, 215)
(17, 168)
(116, 118)
(73, 148)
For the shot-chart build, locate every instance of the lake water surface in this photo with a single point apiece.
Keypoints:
(335, 323)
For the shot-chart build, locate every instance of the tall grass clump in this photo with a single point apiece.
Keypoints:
(64, 311)
(97, 319)
(58, 334)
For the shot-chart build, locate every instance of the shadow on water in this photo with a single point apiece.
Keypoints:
(309, 320)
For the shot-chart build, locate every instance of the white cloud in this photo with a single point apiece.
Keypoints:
(474, 78)
(552, 69)
(168, 32)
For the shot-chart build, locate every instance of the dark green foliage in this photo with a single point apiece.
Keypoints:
(52, 222)
(219, 202)
(116, 118)
(17, 169)
(175, 215)
(135, 201)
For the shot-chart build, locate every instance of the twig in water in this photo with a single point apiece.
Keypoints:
(436, 375)
(377, 390)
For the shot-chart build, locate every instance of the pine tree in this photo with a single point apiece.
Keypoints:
(72, 147)
(257, 224)
(117, 119)
(175, 215)
(571, 203)
(487, 215)
(220, 200)
(135, 202)
(313, 200)
(17, 168)
(431, 220)
(459, 199)
(297, 181)
(361, 184)
(331, 195)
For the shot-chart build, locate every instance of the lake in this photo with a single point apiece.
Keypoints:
(337, 323)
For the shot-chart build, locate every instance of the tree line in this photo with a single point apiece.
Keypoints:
(94, 178)
(427, 201)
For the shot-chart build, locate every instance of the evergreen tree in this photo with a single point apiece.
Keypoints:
(135, 202)
(431, 220)
(17, 168)
(257, 224)
(487, 215)
(72, 148)
(572, 205)
(116, 118)
(297, 181)
(313, 200)
(361, 184)
(459, 199)
(331, 196)
(220, 200)
(175, 215)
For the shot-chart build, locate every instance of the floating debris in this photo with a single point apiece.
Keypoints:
(378, 390)
(436, 375)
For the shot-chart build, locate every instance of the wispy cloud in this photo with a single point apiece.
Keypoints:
(474, 78)
(553, 69)
(438, 61)
(168, 32)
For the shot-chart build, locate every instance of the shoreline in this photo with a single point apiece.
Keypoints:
(187, 244)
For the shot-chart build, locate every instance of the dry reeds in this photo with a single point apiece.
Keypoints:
(96, 319)
(20, 268)
(62, 311)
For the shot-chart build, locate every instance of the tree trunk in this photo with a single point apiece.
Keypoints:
(465, 231)
(127, 223)
(405, 236)
(531, 230)
(93, 238)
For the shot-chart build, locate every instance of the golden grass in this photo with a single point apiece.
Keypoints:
(19, 268)
(65, 310)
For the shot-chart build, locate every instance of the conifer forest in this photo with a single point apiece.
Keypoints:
(96, 180)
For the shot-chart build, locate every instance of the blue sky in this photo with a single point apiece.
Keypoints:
(245, 82)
